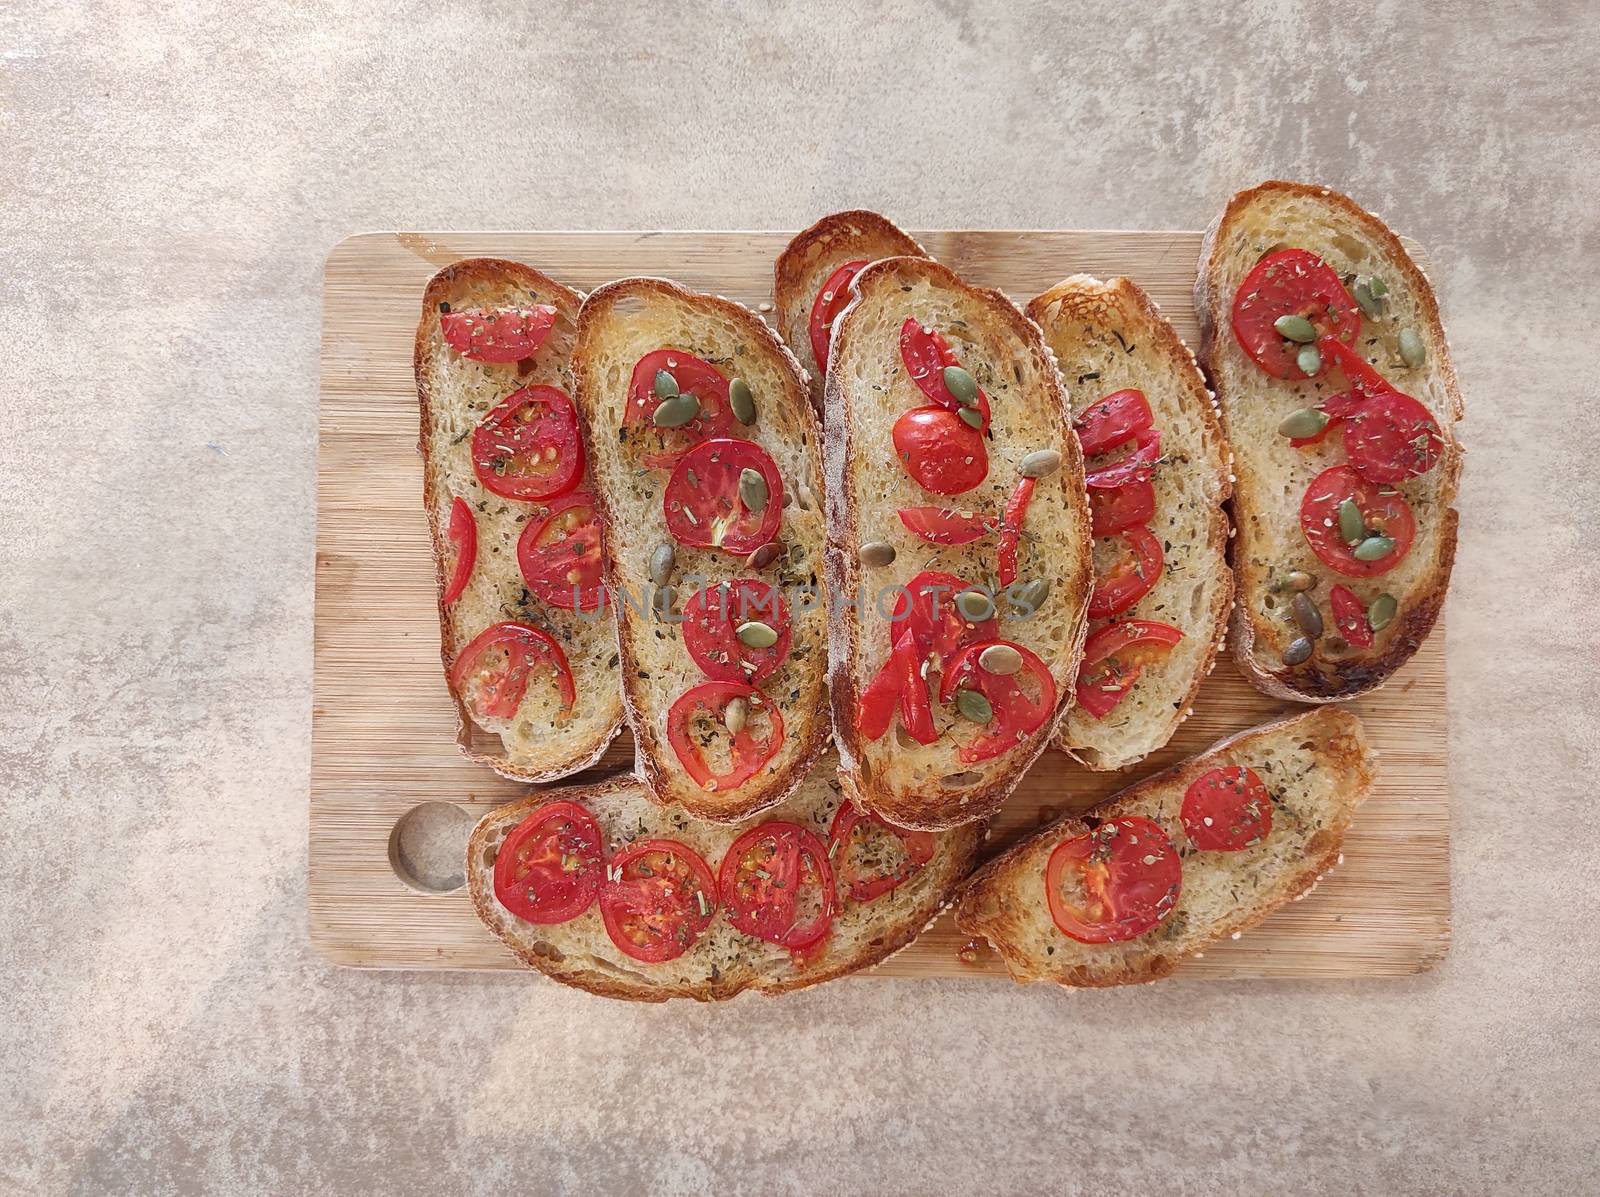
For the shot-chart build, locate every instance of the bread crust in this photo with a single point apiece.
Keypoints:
(808, 260)
(1319, 681)
(446, 286)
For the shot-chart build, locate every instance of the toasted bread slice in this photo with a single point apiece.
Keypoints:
(541, 742)
(621, 323)
(930, 785)
(1272, 475)
(723, 961)
(1317, 768)
(806, 263)
(1108, 336)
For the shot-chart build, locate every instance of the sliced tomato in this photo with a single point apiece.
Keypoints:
(1131, 577)
(659, 899)
(1391, 437)
(1011, 531)
(662, 447)
(560, 555)
(825, 309)
(1336, 408)
(699, 718)
(711, 621)
(1291, 282)
(941, 525)
(926, 353)
(528, 446)
(876, 705)
(1121, 508)
(1021, 702)
(881, 859)
(497, 334)
(1226, 810)
(550, 867)
(1113, 421)
(940, 451)
(1114, 657)
(464, 536)
(703, 504)
(916, 711)
(1350, 616)
(1113, 883)
(491, 674)
(1383, 510)
(1138, 466)
(778, 885)
(1364, 379)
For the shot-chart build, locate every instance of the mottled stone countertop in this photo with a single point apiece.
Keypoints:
(176, 174)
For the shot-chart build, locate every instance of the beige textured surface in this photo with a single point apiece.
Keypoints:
(175, 174)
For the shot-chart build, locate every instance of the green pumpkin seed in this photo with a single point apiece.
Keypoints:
(1352, 524)
(971, 418)
(1027, 597)
(1374, 548)
(1001, 659)
(974, 706)
(752, 490)
(1412, 351)
(975, 605)
(742, 401)
(1295, 328)
(764, 556)
(1368, 302)
(1041, 463)
(1307, 421)
(1306, 616)
(661, 563)
(1382, 612)
(735, 714)
(876, 553)
(662, 602)
(962, 385)
(1378, 286)
(1309, 359)
(1298, 579)
(756, 635)
(1298, 652)
(676, 411)
(666, 386)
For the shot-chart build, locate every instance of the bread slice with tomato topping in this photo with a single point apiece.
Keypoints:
(1203, 851)
(811, 280)
(1160, 607)
(570, 893)
(708, 469)
(1338, 397)
(524, 662)
(959, 557)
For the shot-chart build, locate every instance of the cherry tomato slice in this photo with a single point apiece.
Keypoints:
(528, 447)
(940, 451)
(560, 555)
(703, 504)
(1364, 380)
(659, 899)
(1392, 437)
(698, 718)
(1017, 714)
(876, 705)
(1114, 657)
(550, 867)
(1131, 577)
(1113, 421)
(878, 861)
(491, 674)
(777, 885)
(831, 300)
(916, 711)
(1113, 883)
(1226, 810)
(662, 447)
(926, 353)
(1011, 531)
(1383, 511)
(1138, 466)
(464, 536)
(497, 334)
(941, 525)
(711, 621)
(1336, 408)
(1350, 615)
(1291, 282)
(1119, 509)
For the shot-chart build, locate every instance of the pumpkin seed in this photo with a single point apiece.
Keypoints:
(676, 411)
(666, 386)
(661, 563)
(1298, 652)
(1352, 524)
(876, 553)
(1027, 597)
(1368, 302)
(735, 714)
(1307, 421)
(1412, 350)
(764, 556)
(662, 602)
(975, 605)
(752, 490)
(1298, 579)
(1378, 286)
(971, 418)
(1306, 616)
(756, 634)
(742, 401)
(1382, 612)
(1001, 659)
(1295, 328)
(962, 385)
(974, 706)
(1041, 463)
(1374, 548)
(1309, 359)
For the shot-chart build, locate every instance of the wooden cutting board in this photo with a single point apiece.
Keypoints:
(383, 731)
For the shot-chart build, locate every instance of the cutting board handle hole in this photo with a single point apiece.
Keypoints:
(428, 847)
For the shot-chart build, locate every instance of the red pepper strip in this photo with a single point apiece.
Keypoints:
(1138, 466)
(1011, 530)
